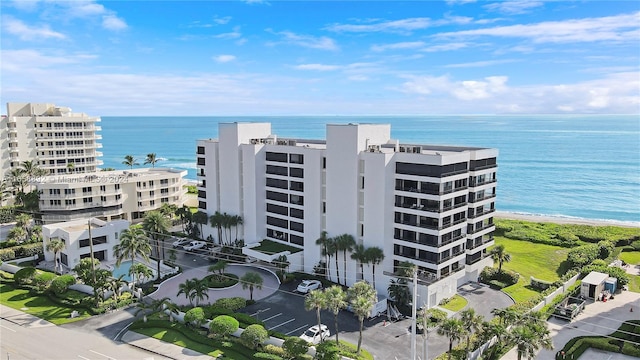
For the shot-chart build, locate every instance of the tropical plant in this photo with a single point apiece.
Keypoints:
(115, 284)
(323, 241)
(130, 161)
(427, 319)
(499, 255)
(294, 347)
(253, 336)
(282, 263)
(335, 300)
(218, 269)
(186, 288)
(55, 246)
(18, 179)
(454, 330)
(133, 242)
(223, 326)
(344, 243)
(200, 218)
(529, 338)
(156, 226)
(332, 249)
(154, 306)
(194, 316)
(139, 272)
(362, 297)
(315, 300)
(374, 256)
(327, 350)
(5, 190)
(151, 159)
(251, 280)
(358, 254)
(236, 221)
(472, 322)
(216, 221)
(183, 213)
(508, 316)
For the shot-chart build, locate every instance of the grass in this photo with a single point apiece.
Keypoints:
(272, 247)
(349, 350)
(630, 257)
(176, 338)
(544, 262)
(227, 281)
(38, 305)
(455, 303)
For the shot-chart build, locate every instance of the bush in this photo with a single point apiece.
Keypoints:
(247, 320)
(274, 350)
(7, 254)
(223, 326)
(295, 347)
(61, 284)
(613, 271)
(194, 316)
(232, 304)
(212, 311)
(540, 284)
(25, 276)
(253, 336)
(42, 280)
(505, 277)
(27, 250)
(327, 350)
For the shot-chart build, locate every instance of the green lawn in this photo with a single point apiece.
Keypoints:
(544, 262)
(272, 247)
(456, 303)
(630, 257)
(176, 338)
(39, 306)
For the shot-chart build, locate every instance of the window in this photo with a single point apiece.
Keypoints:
(277, 222)
(296, 186)
(296, 199)
(277, 183)
(201, 161)
(277, 170)
(296, 172)
(200, 150)
(296, 158)
(276, 196)
(296, 226)
(298, 240)
(296, 213)
(276, 156)
(277, 209)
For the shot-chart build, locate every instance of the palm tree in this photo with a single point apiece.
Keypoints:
(155, 306)
(235, 221)
(345, 242)
(507, 315)
(251, 280)
(362, 297)
(374, 256)
(360, 255)
(335, 300)
(18, 179)
(71, 166)
(315, 300)
(472, 322)
(282, 263)
(332, 248)
(500, 256)
(529, 338)
(151, 159)
(156, 226)
(323, 241)
(200, 218)
(56, 246)
(133, 242)
(200, 290)
(130, 161)
(114, 285)
(454, 330)
(139, 271)
(218, 268)
(187, 289)
(227, 223)
(216, 221)
(182, 214)
(427, 319)
(5, 190)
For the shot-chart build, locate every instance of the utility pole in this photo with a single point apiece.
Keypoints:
(414, 306)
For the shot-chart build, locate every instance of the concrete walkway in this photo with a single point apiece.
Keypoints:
(170, 287)
(597, 319)
(21, 318)
(162, 348)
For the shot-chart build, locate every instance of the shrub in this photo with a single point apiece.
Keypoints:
(327, 350)
(636, 245)
(25, 276)
(232, 304)
(540, 284)
(212, 311)
(275, 350)
(7, 254)
(613, 271)
(223, 326)
(583, 255)
(194, 316)
(245, 319)
(27, 250)
(253, 336)
(506, 277)
(295, 347)
(42, 280)
(61, 284)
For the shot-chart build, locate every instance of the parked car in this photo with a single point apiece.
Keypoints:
(194, 245)
(315, 335)
(308, 285)
(180, 242)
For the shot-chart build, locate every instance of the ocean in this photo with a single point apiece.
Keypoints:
(572, 166)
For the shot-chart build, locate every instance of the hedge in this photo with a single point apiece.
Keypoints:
(627, 331)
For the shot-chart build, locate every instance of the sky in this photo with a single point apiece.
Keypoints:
(217, 58)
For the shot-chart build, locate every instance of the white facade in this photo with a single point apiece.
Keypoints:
(59, 140)
(109, 195)
(75, 235)
(431, 205)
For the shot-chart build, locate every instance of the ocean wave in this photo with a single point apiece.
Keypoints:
(181, 165)
(561, 217)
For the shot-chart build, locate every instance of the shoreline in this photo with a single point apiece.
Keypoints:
(562, 220)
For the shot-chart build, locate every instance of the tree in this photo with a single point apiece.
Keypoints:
(427, 319)
(236, 220)
(452, 329)
(194, 316)
(251, 280)
(18, 179)
(130, 161)
(138, 272)
(344, 243)
(218, 269)
(55, 246)
(133, 243)
(151, 159)
(114, 285)
(362, 297)
(323, 241)
(156, 227)
(315, 300)
(359, 254)
(200, 290)
(155, 306)
(216, 221)
(182, 213)
(327, 350)
(335, 300)
(223, 326)
(508, 316)
(5, 190)
(472, 322)
(333, 249)
(200, 218)
(500, 256)
(294, 347)
(529, 338)
(374, 256)
(281, 263)
(253, 336)
(186, 288)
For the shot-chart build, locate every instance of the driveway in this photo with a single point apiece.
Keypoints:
(484, 299)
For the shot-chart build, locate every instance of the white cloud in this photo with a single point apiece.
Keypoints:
(445, 47)
(358, 78)
(308, 41)
(222, 20)
(317, 67)
(398, 46)
(513, 6)
(224, 58)
(459, 2)
(230, 35)
(24, 60)
(82, 8)
(112, 22)
(625, 27)
(480, 63)
(403, 25)
(26, 32)
(473, 90)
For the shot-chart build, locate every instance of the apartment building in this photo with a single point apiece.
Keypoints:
(109, 195)
(59, 140)
(431, 205)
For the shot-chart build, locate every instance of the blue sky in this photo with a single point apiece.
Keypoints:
(332, 57)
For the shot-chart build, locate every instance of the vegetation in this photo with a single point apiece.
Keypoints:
(253, 336)
(130, 161)
(295, 347)
(271, 247)
(335, 300)
(156, 226)
(620, 341)
(133, 242)
(221, 282)
(151, 159)
(362, 297)
(454, 303)
(223, 326)
(251, 280)
(194, 289)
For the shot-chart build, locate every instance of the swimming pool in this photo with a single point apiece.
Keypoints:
(123, 269)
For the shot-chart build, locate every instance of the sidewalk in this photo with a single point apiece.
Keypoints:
(162, 348)
(21, 318)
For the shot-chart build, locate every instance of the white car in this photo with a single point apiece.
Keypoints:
(194, 245)
(180, 242)
(308, 285)
(314, 336)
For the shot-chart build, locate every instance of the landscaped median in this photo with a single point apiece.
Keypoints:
(622, 341)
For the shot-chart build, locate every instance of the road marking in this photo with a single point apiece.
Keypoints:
(82, 357)
(108, 357)
(120, 332)
(300, 328)
(269, 318)
(284, 323)
(260, 311)
(10, 329)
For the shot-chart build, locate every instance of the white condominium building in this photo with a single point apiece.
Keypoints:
(431, 205)
(109, 195)
(57, 139)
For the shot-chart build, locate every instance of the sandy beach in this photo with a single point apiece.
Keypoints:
(563, 220)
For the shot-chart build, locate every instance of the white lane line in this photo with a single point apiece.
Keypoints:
(120, 332)
(4, 327)
(284, 323)
(269, 318)
(82, 357)
(300, 328)
(260, 311)
(108, 357)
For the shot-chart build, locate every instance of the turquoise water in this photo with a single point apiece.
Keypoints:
(584, 166)
(123, 269)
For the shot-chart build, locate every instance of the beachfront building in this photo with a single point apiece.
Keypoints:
(55, 138)
(431, 205)
(109, 195)
(75, 235)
